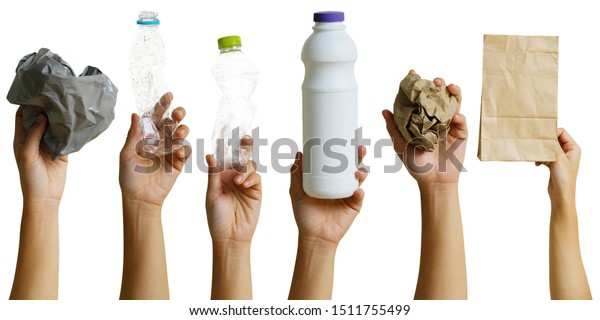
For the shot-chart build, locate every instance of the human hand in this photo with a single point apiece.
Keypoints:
(42, 179)
(444, 164)
(233, 200)
(563, 171)
(324, 220)
(145, 177)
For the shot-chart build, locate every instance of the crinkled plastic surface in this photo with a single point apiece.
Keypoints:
(237, 77)
(423, 112)
(78, 108)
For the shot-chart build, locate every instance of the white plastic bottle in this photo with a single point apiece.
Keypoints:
(146, 65)
(329, 109)
(237, 77)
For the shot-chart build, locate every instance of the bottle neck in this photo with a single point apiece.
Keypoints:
(148, 26)
(231, 49)
(329, 26)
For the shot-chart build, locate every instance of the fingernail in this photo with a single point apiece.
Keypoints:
(40, 118)
(239, 178)
(179, 113)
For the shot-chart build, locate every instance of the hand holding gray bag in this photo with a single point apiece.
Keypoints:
(78, 108)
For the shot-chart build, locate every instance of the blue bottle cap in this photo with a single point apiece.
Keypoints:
(148, 18)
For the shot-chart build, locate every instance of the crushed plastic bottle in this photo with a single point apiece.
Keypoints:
(147, 61)
(237, 77)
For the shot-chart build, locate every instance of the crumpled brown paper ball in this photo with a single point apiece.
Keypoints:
(423, 112)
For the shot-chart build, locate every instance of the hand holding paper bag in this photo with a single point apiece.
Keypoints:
(568, 279)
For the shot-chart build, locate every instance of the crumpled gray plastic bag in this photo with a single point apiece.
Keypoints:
(423, 111)
(78, 108)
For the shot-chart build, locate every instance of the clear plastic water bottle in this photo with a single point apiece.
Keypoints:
(146, 65)
(329, 109)
(237, 77)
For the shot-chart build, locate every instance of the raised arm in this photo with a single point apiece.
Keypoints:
(42, 184)
(321, 225)
(442, 272)
(233, 200)
(567, 274)
(145, 182)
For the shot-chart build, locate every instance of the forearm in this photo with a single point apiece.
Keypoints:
(231, 276)
(144, 259)
(36, 275)
(313, 272)
(567, 274)
(442, 272)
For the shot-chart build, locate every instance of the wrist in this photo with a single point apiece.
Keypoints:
(134, 208)
(317, 245)
(439, 202)
(140, 197)
(562, 200)
(562, 210)
(230, 254)
(231, 277)
(40, 206)
(438, 188)
(231, 247)
(314, 268)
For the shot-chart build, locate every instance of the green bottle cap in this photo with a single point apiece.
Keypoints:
(229, 42)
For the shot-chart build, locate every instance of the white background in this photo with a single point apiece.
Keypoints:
(505, 207)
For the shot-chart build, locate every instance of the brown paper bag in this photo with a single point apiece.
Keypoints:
(519, 98)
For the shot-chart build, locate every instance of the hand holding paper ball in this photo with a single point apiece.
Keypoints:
(423, 111)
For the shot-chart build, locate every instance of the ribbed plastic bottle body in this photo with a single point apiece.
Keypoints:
(146, 66)
(237, 76)
(329, 112)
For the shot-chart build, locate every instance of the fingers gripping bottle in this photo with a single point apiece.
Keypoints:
(237, 77)
(329, 109)
(146, 65)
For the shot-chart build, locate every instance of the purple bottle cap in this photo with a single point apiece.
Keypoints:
(328, 16)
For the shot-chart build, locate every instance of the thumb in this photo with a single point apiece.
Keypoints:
(133, 135)
(458, 127)
(296, 176)
(399, 143)
(34, 136)
(560, 153)
(214, 178)
(355, 200)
